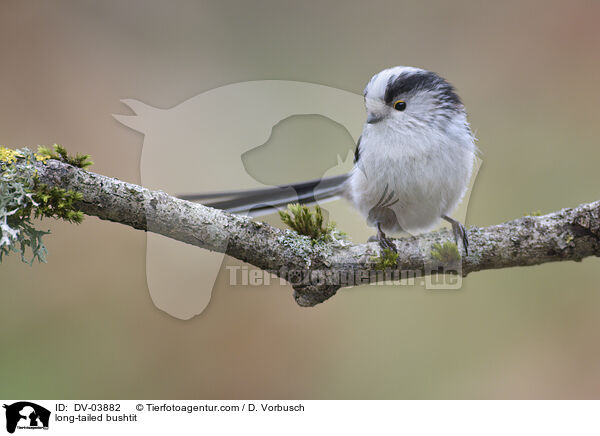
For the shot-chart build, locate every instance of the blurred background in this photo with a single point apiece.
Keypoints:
(84, 326)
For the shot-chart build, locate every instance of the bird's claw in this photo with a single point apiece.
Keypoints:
(384, 242)
(387, 244)
(460, 233)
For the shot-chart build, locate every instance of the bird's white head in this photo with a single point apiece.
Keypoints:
(401, 98)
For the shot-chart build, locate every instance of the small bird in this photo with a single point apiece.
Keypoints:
(412, 163)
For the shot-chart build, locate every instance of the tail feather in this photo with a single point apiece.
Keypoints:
(261, 201)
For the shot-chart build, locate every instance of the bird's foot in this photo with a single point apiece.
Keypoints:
(460, 233)
(387, 244)
(384, 242)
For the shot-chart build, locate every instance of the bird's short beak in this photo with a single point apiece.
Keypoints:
(373, 117)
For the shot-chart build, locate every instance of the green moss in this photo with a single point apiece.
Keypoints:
(445, 253)
(388, 260)
(23, 198)
(300, 218)
(58, 152)
(56, 203)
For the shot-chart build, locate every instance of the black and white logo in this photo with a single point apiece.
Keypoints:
(26, 415)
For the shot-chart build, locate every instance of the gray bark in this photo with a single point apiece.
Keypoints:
(317, 271)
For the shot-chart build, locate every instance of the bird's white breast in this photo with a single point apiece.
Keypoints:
(426, 170)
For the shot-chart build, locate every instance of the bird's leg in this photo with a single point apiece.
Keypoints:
(460, 233)
(384, 241)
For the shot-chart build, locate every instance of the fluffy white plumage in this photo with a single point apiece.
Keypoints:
(415, 162)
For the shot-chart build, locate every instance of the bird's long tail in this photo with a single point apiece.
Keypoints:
(257, 202)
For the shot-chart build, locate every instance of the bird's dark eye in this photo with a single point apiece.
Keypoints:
(400, 105)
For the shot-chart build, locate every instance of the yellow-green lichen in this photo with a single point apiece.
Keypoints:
(41, 158)
(8, 155)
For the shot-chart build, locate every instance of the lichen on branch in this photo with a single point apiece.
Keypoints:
(567, 234)
(24, 198)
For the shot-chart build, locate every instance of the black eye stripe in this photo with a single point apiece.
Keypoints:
(409, 82)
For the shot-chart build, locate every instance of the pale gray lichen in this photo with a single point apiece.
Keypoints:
(23, 197)
(17, 232)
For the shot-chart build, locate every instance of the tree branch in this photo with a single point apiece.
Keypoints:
(317, 271)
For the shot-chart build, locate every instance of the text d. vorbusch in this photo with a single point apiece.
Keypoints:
(276, 407)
